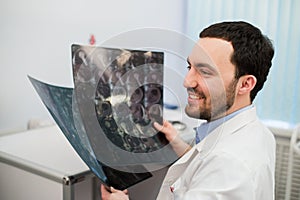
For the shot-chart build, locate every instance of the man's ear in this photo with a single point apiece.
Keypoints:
(246, 84)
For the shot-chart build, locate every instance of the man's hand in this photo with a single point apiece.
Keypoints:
(168, 129)
(113, 194)
(171, 134)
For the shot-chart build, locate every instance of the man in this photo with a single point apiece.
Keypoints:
(234, 158)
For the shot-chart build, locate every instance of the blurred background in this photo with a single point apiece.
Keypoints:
(36, 37)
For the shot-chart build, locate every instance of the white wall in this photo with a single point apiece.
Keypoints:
(36, 35)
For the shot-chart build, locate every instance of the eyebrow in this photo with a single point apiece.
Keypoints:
(200, 65)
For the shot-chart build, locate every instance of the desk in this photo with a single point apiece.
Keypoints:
(41, 164)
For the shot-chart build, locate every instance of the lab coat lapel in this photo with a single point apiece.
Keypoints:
(174, 172)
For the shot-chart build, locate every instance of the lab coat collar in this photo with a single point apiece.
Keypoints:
(226, 128)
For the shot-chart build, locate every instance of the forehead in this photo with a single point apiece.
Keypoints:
(212, 51)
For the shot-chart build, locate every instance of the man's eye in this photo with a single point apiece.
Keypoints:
(205, 72)
(189, 67)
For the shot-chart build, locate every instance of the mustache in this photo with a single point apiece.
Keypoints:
(196, 92)
(192, 90)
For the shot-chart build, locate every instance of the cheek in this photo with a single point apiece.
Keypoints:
(215, 86)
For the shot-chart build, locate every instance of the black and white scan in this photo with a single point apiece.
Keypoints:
(123, 91)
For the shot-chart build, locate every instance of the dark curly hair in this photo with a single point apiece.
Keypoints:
(253, 51)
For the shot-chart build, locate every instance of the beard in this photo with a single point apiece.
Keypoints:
(218, 105)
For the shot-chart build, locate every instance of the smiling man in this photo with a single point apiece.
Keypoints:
(234, 155)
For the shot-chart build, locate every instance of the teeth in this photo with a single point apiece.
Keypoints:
(192, 96)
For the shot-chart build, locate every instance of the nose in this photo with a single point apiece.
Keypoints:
(190, 80)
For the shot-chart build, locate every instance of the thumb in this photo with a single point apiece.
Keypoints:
(157, 126)
(113, 189)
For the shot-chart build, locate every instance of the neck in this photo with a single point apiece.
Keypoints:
(231, 110)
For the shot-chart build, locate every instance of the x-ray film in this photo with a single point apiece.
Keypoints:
(108, 116)
(120, 95)
(62, 106)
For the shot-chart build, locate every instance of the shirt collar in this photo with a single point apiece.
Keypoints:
(205, 128)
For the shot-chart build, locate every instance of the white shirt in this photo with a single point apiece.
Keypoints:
(236, 161)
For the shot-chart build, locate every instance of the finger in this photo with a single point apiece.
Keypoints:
(102, 187)
(167, 124)
(104, 192)
(113, 189)
(157, 126)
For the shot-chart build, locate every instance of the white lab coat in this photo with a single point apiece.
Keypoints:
(234, 162)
